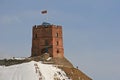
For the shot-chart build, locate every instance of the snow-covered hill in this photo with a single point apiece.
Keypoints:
(32, 71)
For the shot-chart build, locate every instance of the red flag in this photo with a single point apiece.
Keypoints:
(44, 12)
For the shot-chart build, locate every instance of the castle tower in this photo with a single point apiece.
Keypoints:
(47, 38)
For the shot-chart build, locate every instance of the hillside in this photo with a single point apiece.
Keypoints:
(27, 69)
(32, 71)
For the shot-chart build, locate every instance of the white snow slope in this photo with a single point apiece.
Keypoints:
(32, 71)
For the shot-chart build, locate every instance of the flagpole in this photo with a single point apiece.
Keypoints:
(44, 12)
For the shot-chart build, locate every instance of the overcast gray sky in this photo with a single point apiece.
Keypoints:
(91, 30)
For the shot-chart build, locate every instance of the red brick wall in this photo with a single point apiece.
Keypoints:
(49, 36)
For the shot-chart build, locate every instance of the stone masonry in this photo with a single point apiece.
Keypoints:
(47, 38)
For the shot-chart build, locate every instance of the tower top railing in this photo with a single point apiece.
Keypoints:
(47, 25)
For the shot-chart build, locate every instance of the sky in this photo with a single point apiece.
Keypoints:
(91, 32)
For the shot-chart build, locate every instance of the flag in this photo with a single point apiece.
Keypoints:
(44, 12)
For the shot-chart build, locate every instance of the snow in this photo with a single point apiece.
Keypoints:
(32, 71)
(49, 58)
(19, 58)
(24, 71)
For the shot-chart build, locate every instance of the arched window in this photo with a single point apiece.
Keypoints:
(56, 34)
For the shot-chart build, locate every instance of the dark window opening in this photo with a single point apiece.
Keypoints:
(35, 35)
(57, 51)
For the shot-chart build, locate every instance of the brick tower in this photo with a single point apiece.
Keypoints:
(47, 38)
